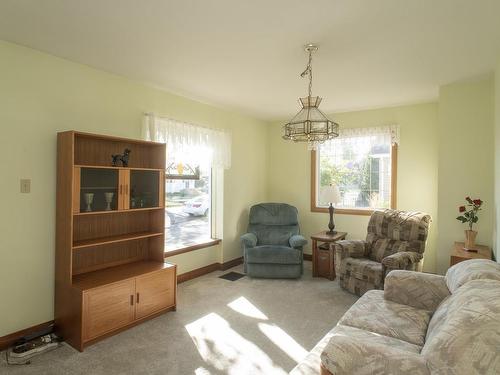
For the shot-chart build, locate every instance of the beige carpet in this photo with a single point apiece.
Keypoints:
(248, 326)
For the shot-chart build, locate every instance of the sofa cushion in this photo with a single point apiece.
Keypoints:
(375, 314)
(310, 364)
(418, 289)
(354, 351)
(473, 269)
(273, 254)
(464, 334)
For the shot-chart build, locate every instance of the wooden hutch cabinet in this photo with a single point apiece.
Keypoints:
(110, 235)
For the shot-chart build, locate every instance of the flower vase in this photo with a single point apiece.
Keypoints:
(470, 239)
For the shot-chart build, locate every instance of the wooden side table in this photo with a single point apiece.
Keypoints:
(458, 254)
(323, 257)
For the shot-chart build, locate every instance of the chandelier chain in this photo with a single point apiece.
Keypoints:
(309, 68)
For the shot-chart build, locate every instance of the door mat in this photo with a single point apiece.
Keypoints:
(232, 276)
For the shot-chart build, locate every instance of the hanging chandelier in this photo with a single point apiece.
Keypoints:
(310, 124)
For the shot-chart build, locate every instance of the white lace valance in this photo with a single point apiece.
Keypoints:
(189, 143)
(391, 131)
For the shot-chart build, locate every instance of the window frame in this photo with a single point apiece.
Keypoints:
(353, 211)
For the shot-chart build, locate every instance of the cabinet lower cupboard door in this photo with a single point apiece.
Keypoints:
(108, 308)
(155, 292)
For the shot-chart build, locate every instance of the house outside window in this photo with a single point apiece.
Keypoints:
(362, 163)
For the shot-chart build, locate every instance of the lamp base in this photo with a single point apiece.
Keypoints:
(331, 224)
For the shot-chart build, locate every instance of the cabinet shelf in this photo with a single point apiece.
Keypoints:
(117, 211)
(117, 168)
(110, 275)
(114, 239)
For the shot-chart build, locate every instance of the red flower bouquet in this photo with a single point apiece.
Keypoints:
(469, 215)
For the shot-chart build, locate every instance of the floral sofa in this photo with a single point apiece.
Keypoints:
(420, 324)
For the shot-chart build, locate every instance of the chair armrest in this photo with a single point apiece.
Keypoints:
(401, 260)
(249, 240)
(420, 290)
(350, 248)
(351, 355)
(297, 241)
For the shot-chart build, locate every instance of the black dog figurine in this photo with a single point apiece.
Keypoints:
(121, 158)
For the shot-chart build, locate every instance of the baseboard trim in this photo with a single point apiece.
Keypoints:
(8, 340)
(208, 269)
(197, 272)
(230, 264)
(308, 257)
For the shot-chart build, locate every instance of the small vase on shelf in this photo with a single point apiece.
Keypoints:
(470, 239)
(89, 199)
(108, 198)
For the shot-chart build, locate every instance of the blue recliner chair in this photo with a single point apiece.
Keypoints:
(272, 248)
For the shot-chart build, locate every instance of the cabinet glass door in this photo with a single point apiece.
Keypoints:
(98, 189)
(144, 189)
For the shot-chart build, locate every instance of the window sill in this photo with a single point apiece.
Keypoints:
(198, 246)
(346, 211)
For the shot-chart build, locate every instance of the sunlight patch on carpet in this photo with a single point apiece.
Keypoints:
(247, 308)
(201, 371)
(225, 349)
(284, 341)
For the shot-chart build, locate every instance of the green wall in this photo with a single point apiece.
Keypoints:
(41, 95)
(289, 170)
(465, 160)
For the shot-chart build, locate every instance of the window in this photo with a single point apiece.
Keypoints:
(196, 159)
(188, 202)
(362, 163)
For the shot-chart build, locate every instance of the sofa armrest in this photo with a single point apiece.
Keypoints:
(350, 248)
(297, 241)
(249, 240)
(350, 355)
(417, 289)
(401, 260)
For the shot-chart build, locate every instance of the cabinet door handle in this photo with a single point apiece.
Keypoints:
(132, 300)
(137, 297)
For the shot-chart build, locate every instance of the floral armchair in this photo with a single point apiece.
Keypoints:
(395, 241)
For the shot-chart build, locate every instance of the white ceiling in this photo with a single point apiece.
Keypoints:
(247, 55)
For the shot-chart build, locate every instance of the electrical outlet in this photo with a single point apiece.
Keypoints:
(25, 185)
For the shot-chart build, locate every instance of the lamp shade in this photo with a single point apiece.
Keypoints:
(330, 194)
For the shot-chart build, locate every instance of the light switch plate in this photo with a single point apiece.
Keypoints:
(25, 185)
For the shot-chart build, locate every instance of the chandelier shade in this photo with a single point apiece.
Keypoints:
(310, 124)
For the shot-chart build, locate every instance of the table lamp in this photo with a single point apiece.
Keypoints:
(331, 195)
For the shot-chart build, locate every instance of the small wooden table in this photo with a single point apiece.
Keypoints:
(458, 254)
(323, 257)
